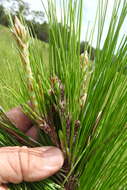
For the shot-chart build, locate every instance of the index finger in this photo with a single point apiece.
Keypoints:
(19, 119)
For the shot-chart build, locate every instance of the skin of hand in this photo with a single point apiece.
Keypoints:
(19, 164)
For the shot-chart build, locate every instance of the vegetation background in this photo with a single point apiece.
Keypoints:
(9, 56)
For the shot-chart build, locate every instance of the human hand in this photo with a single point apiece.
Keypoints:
(19, 164)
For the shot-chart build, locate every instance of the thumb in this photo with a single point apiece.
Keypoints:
(19, 164)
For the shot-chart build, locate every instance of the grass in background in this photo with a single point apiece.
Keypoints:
(8, 60)
(9, 65)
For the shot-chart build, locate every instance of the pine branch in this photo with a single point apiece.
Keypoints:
(78, 105)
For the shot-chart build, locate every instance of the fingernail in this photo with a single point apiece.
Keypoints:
(54, 157)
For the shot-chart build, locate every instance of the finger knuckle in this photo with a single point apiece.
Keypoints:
(10, 170)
